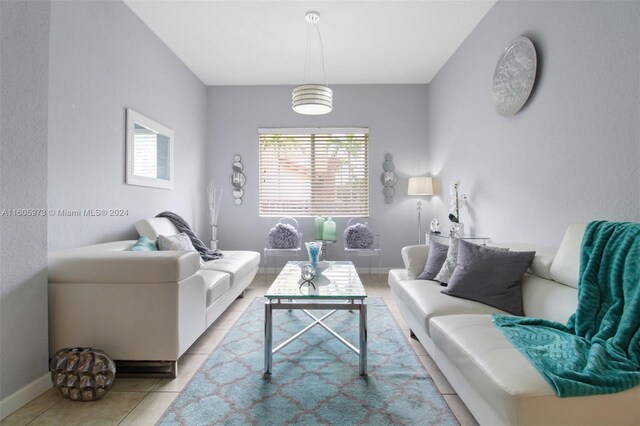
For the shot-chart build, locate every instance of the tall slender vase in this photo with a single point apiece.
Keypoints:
(319, 227)
(213, 244)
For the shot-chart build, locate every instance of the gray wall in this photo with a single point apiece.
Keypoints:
(103, 60)
(395, 116)
(572, 153)
(24, 58)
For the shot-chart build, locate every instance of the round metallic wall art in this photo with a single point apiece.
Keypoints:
(514, 76)
(389, 179)
(238, 180)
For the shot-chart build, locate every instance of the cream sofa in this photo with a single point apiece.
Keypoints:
(495, 381)
(144, 309)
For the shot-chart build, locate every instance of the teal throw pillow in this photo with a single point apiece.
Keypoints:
(144, 244)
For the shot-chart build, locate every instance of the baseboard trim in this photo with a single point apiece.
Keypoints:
(25, 395)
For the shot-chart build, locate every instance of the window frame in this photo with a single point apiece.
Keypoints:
(317, 208)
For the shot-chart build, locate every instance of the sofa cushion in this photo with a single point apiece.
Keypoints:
(511, 389)
(490, 275)
(548, 299)
(435, 259)
(155, 226)
(216, 283)
(565, 268)
(425, 301)
(414, 258)
(236, 263)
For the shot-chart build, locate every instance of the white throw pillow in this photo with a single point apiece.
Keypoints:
(179, 242)
(450, 264)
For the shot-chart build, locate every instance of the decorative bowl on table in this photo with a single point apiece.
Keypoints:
(319, 269)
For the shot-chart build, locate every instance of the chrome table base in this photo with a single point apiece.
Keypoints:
(351, 305)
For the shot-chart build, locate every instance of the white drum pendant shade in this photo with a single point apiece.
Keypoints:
(312, 99)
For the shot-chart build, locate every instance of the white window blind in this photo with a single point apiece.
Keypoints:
(311, 172)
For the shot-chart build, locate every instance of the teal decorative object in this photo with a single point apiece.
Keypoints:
(597, 352)
(319, 227)
(329, 230)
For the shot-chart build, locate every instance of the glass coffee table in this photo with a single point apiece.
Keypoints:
(337, 288)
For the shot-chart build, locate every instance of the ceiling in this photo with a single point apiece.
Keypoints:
(264, 42)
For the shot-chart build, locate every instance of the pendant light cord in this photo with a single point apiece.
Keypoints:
(324, 73)
(307, 56)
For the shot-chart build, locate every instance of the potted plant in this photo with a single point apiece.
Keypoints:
(457, 201)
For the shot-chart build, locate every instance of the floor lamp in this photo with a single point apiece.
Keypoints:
(420, 186)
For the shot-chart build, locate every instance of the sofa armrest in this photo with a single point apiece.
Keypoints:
(95, 266)
(414, 258)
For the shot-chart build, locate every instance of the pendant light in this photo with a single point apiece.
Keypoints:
(313, 98)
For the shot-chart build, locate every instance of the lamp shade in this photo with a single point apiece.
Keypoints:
(421, 185)
(312, 99)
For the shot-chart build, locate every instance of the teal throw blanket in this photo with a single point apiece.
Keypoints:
(598, 351)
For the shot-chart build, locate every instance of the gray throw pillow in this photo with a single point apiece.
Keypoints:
(490, 276)
(435, 259)
(450, 264)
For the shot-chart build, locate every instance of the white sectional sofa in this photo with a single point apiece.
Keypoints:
(141, 308)
(495, 381)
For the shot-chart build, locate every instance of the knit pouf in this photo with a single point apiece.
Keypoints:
(359, 236)
(82, 374)
(283, 236)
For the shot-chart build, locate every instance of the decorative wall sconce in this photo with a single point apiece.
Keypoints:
(238, 180)
(389, 178)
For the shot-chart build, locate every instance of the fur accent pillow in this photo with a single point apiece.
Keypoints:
(179, 242)
(283, 236)
(450, 264)
(359, 236)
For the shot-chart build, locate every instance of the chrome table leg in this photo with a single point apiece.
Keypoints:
(363, 339)
(268, 338)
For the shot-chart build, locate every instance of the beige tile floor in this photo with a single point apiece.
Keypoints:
(143, 401)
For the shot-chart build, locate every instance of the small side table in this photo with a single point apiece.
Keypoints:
(444, 238)
(323, 255)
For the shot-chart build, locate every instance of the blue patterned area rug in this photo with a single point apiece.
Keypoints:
(315, 378)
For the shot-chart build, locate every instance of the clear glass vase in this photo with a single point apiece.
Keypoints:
(314, 249)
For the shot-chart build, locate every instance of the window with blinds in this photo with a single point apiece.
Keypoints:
(312, 172)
